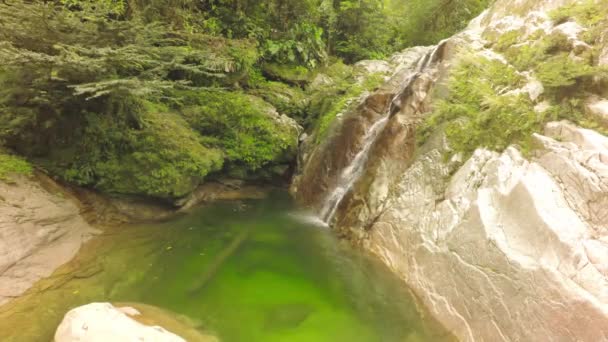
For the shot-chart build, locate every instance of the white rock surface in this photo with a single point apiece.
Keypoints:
(511, 250)
(40, 229)
(599, 109)
(102, 322)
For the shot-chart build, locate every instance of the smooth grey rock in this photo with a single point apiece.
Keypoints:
(40, 229)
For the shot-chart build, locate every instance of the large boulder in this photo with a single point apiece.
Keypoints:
(101, 322)
(40, 229)
(511, 249)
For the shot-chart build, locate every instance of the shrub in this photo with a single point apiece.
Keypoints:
(329, 100)
(476, 114)
(242, 125)
(163, 158)
(291, 101)
(11, 165)
(562, 71)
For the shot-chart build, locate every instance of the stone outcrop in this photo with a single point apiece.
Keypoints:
(320, 165)
(40, 229)
(130, 322)
(500, 246)
(511, 249)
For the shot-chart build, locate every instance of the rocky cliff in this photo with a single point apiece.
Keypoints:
(486, 188)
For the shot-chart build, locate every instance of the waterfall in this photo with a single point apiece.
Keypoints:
(352, 173)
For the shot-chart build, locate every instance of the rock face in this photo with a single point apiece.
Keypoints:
(40, 229)
(512, 249)
(320, 165)
(499, 247)
(101, 322)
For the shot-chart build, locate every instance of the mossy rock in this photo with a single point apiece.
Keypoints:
(296, 75)
(288, 100)
(248, 129)
(164, 158)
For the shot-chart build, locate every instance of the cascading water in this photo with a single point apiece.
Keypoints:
(352, 173)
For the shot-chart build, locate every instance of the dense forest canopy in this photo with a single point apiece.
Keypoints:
(151, 97)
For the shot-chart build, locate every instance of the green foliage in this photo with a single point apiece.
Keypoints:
(110, 7)
(330, 99)
(530, 53)
(304, 46)
(13, 165)
(289, 73)
(291, 101)
(241, 125)
(562, 71)
(480, 112)
(161, 157)
(149, 96)
(484, 110)
(587, 13)
(424, 22)
(591, 14)
(550, 57)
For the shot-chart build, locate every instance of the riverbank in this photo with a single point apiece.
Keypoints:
(287, 280)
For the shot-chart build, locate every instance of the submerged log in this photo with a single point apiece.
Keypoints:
(214, 267)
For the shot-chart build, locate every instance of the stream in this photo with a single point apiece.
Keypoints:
(245, 271)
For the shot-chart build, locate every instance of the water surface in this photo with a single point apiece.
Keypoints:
(246, 271)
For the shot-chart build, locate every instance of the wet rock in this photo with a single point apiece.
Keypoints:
(288, 316)
(105, 322)
(229, 190)
(106, 210)
(41, 228)
(320, 165)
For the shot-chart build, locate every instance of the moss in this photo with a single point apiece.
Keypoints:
(587, 13)
(291, 101)
(480, 110)
(507, 39)
(528, 55)
(562, 71)
(13, 165)
(291, 74)
(241, 125)
(335, 98)
(163, 159)
(476, 115)
(550, 57)
(591, 14)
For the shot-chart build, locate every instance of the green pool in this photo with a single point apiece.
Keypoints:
(246, 271)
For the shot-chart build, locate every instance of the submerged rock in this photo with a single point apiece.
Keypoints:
(288, 316)
(135, 322)
(40, 229)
